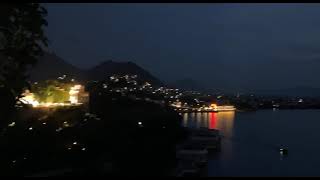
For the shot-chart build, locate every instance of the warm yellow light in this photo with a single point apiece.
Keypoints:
(28, 98)
(213, 105)
(74, 92)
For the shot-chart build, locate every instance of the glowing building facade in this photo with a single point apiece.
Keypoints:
(77, 96)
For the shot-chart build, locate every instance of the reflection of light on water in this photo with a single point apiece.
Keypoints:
(226, 115)
(225, 122)
(212, 122)
(222, 121)
(192, 115)
(198, 120)
(185, 119)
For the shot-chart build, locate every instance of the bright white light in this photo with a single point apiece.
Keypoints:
(75, 143)
(83, 149)
(12, 124)
(74, 92)
(28, 98)
(140, 123)
(30, 128)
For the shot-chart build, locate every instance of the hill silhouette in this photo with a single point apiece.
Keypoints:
(50, 66)
(108, 68)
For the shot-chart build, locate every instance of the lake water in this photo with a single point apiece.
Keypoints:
(250, 141)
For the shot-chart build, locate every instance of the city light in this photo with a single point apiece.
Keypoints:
(29, 98)
(74, 92)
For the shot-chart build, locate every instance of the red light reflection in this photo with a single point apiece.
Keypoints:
(212, 121)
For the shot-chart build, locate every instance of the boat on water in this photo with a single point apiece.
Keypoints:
(216, 108)
(210, 108)
(224, 108)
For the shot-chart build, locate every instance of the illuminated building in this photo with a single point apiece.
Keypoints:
(77, 96)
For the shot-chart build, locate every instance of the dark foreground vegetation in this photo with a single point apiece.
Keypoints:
(119, 136)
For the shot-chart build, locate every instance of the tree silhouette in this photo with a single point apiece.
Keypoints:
(22, 41)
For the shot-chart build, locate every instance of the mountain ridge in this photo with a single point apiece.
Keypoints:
(51, 66)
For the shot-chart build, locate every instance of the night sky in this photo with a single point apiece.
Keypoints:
(228, 46)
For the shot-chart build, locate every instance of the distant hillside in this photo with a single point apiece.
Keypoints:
(51, 66)
(108, 68)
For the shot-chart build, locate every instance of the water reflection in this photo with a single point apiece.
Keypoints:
(222, 121)
(185, 117)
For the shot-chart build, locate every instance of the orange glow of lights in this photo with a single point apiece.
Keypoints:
(213, 105)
